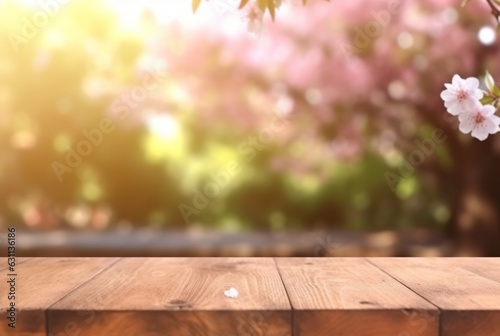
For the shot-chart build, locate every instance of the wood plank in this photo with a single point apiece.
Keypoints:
(181, 296)
(488, 268)
(4, 267)
(469, 303)
(337, 296)
(40, 282)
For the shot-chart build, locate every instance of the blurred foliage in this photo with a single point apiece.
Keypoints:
(317, 171)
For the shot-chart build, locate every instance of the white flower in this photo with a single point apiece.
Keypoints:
(461, 95)
(231, 293)
(255, 17)
(480, 121)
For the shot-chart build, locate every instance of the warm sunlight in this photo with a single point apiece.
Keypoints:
(335, 115)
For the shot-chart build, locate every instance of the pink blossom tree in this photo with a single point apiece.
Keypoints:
(359, 77)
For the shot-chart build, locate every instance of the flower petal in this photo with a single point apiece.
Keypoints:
(495, 119)
(446, 94)
(488, 110)
(454, 108)
(478, 94)
(479, 133)
(472, 83)
(466, 126)
(490, 126)
(456, 80)
(473, 105)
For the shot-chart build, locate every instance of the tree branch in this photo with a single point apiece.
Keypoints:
(494, 9)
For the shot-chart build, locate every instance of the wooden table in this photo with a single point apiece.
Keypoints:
(277, 296)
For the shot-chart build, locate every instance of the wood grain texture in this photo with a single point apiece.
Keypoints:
(40, 282)
(352, 297)
(469, 301)
(18, 261)
(488, 268)
(181, 296)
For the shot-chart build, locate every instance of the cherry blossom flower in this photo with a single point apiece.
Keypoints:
(461, 95)
(480, 121)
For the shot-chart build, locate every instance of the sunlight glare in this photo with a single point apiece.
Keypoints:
(163, 126)
(165, 12)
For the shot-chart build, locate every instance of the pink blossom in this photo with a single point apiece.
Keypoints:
(480, 121)
(461, 95)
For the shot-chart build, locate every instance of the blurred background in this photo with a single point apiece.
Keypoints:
(139, 128)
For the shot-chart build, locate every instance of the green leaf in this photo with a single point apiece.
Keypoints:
(271, 8)
(496, 91)
(195, 5)
(489, 81)
(487, 100)
(242, 4)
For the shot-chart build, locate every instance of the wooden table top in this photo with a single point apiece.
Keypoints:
(276, 296)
